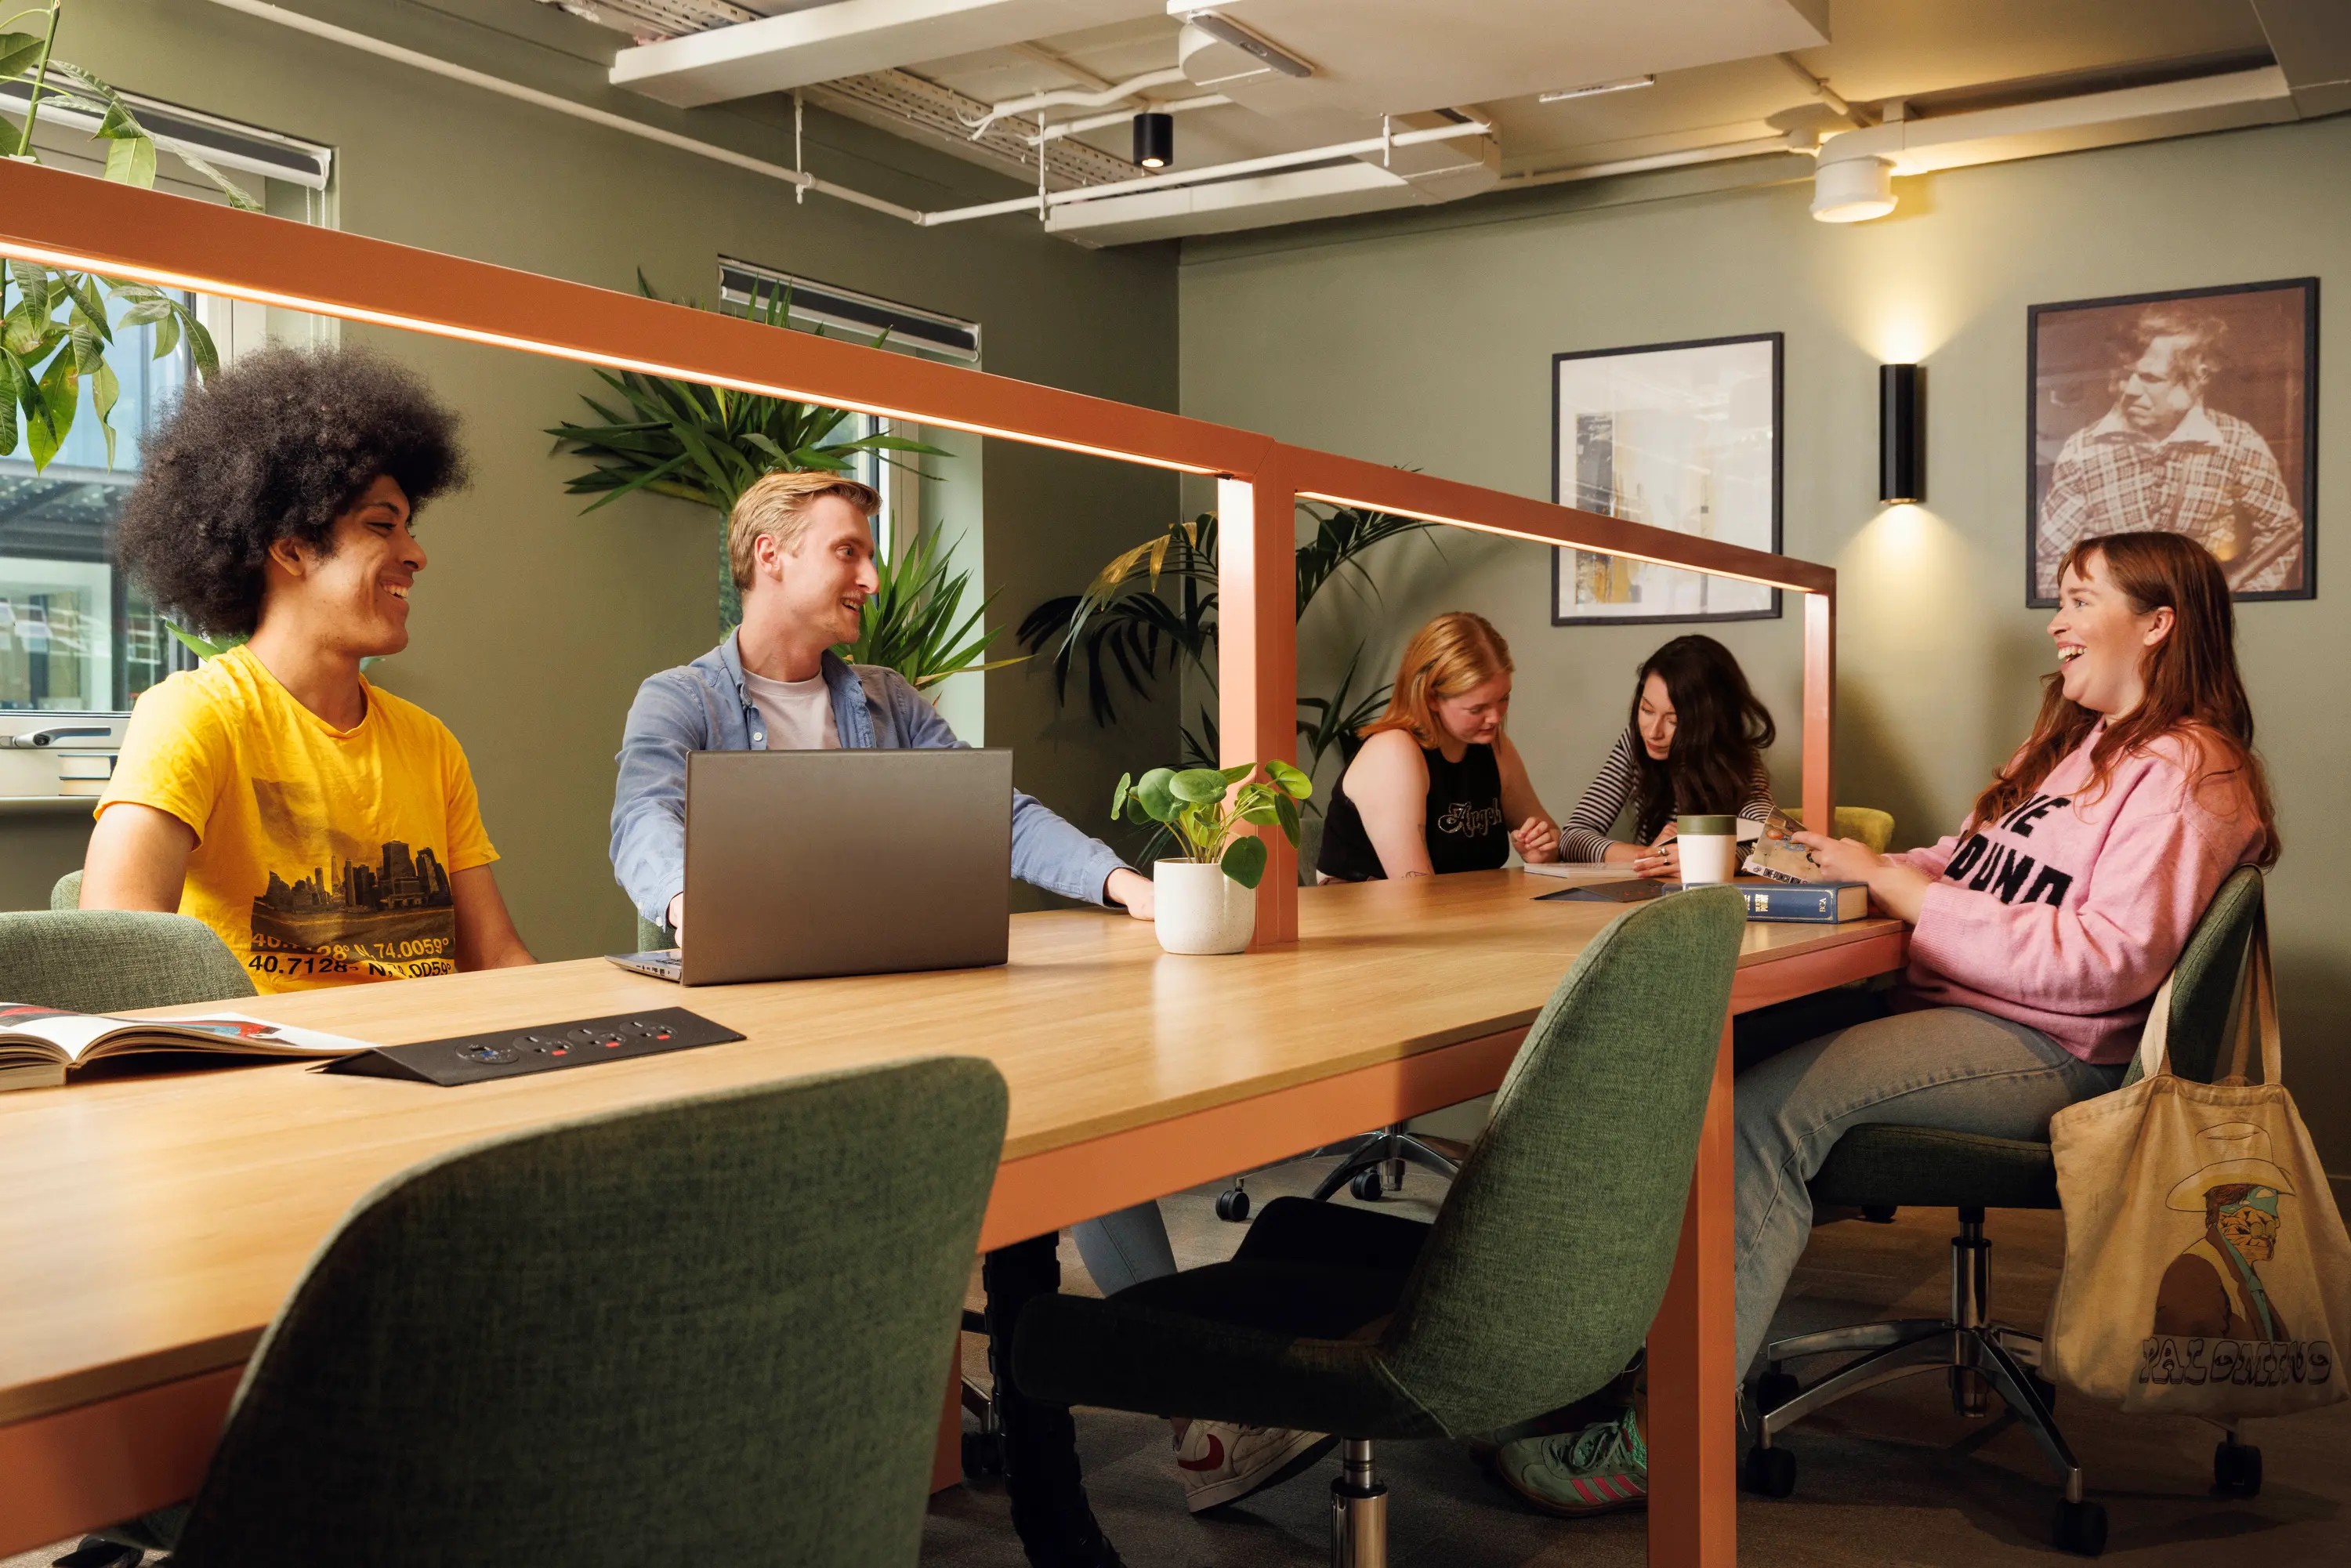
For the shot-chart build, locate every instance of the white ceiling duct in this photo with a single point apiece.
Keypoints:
(1858, 162)
(843, 39)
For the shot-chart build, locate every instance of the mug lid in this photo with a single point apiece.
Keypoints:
(1709, 826)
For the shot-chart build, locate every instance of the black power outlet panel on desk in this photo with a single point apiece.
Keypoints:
(543, 1048)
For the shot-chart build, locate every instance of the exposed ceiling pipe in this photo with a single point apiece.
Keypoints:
(1720, 152)
(369, 44)
(1212, 172)
(1096, 121)
(1070, 97)
(1821, 89)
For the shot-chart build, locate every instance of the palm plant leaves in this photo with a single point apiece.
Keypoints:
(1132, 636)
(912, 623)
(708, 444)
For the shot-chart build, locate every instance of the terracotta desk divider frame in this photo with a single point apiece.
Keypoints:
(78, 222)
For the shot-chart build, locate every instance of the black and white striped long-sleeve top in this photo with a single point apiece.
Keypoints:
(1584, 835)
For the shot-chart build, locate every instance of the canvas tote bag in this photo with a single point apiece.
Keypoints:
(2207, 1270)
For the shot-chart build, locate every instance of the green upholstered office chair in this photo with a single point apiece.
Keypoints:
(1880, 1168)
(113, 960)
(65, 893)
(707, 1330)
(1532, 1289)
(651, 938)
(1871, 826)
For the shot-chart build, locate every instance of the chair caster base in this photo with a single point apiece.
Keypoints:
(2080, 1528)
(1769, 1472)
(1365, 1185)
(96, 1552)
(1232, 1206)
(1774, 1389)
(2236, 1469)
(983, 1457)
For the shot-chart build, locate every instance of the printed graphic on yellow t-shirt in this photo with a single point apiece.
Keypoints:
(323, 856)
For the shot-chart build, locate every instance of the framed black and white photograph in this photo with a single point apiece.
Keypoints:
(2195, 412)
(1683, 436)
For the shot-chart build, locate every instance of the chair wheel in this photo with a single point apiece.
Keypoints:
(1232, 1206)
(1774, 1389)
(2236, 1469)
(1365, 1183)
(1769, 1472)
(983, 1455)
(2081, 1528)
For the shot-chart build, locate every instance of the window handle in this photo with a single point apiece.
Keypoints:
(33, 740)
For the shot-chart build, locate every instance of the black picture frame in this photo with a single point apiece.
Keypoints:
(1559, 554)
(2298, 428)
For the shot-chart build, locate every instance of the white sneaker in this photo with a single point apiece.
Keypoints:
(1223, 1463)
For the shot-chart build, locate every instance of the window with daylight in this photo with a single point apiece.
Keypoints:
(74, 636)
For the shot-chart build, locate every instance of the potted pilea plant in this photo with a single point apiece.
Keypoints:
(1206, 895)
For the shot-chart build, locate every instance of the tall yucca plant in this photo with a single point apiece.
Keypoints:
(708, 444)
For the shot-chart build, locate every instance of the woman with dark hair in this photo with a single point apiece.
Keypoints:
(325, 828)
(1694, 742)
(2039, 931)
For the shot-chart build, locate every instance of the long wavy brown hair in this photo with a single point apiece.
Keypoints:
(1721, 730)
(2193, 689)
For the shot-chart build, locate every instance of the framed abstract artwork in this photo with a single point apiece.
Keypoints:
(2194, 412)
(1679, 436)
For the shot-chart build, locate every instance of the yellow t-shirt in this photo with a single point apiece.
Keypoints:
(323, 856)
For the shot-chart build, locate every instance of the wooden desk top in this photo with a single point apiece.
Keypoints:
(154, 1225)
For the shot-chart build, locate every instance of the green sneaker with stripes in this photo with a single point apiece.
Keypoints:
(1599, 1469)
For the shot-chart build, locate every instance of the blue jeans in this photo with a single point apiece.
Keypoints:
(1951, 1068)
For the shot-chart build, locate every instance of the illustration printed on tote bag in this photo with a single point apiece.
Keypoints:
(2214, 1320)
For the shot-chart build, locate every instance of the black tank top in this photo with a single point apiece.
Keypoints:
(1464, 829)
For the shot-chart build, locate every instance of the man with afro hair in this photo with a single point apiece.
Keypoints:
(325, 829)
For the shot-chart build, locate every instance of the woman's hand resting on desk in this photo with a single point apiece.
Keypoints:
(1536, 840)
(1662, 859)
(1897, 889)
(1137, 892)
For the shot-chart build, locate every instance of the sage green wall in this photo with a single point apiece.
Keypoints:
(1427, 342)
(533, 624)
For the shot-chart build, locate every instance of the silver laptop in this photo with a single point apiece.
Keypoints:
(807, 864)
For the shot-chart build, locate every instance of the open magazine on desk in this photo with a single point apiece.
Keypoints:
(41, 1048)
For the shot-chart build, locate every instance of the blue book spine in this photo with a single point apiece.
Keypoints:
(1815, 902)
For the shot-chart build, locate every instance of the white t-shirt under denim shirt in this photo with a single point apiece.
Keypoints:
(799, 714)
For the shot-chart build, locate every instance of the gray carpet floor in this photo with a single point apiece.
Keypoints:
(1889, 1477)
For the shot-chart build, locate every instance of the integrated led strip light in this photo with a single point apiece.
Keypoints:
(1788, 582)
(72, 261)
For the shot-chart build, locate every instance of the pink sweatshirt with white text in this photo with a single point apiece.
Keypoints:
(2066, 913)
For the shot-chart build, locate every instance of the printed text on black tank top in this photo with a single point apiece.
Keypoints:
(1471, 820)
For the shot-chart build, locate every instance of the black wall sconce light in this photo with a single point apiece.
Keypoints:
(1901, 433)
(1154, 139)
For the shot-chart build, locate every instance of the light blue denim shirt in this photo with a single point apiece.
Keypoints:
(703, 706)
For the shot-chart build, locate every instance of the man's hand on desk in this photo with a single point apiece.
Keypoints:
(1133, 890)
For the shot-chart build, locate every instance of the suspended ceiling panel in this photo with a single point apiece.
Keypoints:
(844, 39)
(1394, 57)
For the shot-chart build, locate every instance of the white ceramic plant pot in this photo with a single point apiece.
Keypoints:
(1198, 909)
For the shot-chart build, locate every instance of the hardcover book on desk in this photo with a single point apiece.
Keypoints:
(1814, 902)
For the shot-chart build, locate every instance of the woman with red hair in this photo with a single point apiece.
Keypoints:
(2039, 931)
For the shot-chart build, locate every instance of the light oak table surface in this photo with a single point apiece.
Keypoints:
(154, 1224)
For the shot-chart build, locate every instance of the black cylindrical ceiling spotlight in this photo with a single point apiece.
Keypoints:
(1154, 139)
(1901, 433)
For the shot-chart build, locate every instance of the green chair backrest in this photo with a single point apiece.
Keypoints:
(2204, 981)
(1870, 825)
(652, 938)
(67, 891)
(1552, 1251)
(715, 1330)
(113, 960)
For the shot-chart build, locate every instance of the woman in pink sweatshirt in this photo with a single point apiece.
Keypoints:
(2041, 929)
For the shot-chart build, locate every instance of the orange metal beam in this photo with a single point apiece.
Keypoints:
(82, 224)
